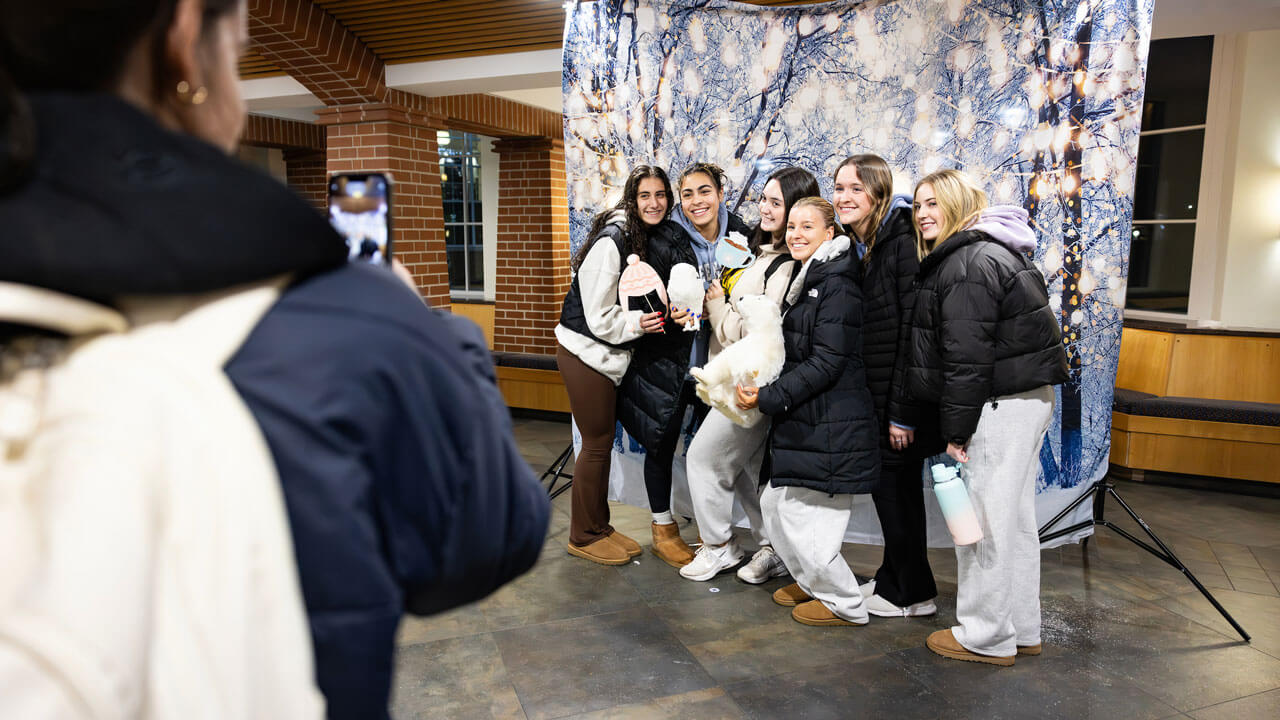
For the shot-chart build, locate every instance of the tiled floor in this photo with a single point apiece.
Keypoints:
(1126, 636)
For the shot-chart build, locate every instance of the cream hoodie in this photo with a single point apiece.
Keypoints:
(726, 323)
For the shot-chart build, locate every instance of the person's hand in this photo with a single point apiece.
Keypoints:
(714, 292)
(653, 322)
(403, 273)
(680, 315)
(900, 438)
(748, 398)
(957, 452)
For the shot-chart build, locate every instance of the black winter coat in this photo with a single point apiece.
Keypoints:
(824, 425)
(888, 295)
(650, 390)
(981, 329)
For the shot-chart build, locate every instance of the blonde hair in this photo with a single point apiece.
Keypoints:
(959, 198)
(825, 209)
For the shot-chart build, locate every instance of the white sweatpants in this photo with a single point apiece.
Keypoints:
(807, 528)
(998, 595)
(724, 460)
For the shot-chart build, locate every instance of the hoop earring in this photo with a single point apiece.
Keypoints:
(186, 95)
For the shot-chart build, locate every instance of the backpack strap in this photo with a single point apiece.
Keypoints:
(774, 266)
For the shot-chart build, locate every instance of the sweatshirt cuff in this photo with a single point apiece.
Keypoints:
(633, 325)
(900, 426)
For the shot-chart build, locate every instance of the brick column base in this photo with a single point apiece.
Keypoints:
(532, 245)
(307, 175)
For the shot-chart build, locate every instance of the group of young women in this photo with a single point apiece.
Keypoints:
(912, 326)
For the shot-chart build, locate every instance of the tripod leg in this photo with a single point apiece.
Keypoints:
(1173, 560)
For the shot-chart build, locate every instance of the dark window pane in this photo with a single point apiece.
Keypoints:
(457, 271)
(453, 211)
(453, 237)
(475, 249)
(1177, 92)
(1160, 267)
(1168, 178)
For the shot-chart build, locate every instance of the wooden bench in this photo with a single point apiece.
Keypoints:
(1195, 402)
(530, 382)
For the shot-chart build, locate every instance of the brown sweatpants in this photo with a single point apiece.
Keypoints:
(592, 398)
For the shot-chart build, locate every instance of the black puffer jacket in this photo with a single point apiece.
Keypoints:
(650, 391)
(888, 295)
(981, 328)
(824, 428)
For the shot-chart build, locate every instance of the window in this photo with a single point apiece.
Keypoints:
(1167, 186)
(460, 181)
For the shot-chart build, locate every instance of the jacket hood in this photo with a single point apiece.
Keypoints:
(1007, 225)
(117, 205)
(899, 202)
(833, 258)
(680, 219)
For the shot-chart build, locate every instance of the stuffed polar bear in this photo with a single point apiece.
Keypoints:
(686, 292)
(755, 360)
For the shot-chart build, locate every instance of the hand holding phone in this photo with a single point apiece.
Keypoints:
(360, 210)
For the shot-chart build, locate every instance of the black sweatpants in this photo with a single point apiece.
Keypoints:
(904, 577)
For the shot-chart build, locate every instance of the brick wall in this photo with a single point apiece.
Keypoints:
(532, 245)
(307, 174)
(388, 139)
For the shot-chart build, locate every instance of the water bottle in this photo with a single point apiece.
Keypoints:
(957, 509)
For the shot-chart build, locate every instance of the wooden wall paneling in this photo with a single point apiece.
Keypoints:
(1204, 456)
(1225, 368)
(533, 389)
(1144, 361)
(478, 313)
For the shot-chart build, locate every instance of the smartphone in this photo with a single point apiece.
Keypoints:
(360, 210)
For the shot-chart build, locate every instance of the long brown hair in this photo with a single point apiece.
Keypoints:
(877, 182)
(960, 199)
(635, 231)
(795, 183)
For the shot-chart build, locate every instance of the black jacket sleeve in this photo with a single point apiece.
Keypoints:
(969, 310)
(903, 266)
(837, 329)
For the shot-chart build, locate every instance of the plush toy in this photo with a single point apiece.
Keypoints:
(640, 288)
(686, 293)
(753, 361)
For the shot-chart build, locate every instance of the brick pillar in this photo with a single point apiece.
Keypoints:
(382, 137)
(307, 175)
(532, 244)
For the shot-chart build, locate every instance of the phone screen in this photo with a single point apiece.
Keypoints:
(360, 210)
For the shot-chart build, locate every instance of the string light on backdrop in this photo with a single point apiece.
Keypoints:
(1040, 100)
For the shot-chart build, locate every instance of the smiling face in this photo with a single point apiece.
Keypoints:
(929, 217)
(652, 200)
(700, 201)
(773, 217)
(853, 204)
(806, 232)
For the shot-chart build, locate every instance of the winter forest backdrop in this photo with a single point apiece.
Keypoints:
(1041, 100)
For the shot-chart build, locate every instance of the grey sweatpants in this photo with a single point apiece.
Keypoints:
(723, 461)
(808, 529)
(998, 595)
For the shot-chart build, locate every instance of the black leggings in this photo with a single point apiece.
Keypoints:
(657, 461)
(904, 578)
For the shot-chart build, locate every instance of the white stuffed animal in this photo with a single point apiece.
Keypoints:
(755, 360)
(685, 292)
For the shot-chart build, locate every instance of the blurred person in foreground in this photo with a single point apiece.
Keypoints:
(403, 485)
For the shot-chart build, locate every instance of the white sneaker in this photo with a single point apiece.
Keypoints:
(880, 607)
(711, 561)
(764, 564)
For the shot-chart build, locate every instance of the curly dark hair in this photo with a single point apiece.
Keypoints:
(635, 231)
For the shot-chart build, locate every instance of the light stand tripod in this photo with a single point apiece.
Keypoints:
(556, 472)
(1099, 492)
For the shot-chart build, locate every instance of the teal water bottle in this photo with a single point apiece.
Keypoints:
(957, 509)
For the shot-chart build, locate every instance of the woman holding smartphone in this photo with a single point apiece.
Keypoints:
(986, 351)
(593, 352)
(872, 214)
(724, 458)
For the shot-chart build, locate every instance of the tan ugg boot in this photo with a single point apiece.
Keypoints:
(944, 643)
(631, 546)
(790, 595)
(602, 551)
(818, 615)
(669, 546)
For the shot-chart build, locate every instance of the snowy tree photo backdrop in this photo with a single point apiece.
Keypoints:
(1040, 100)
